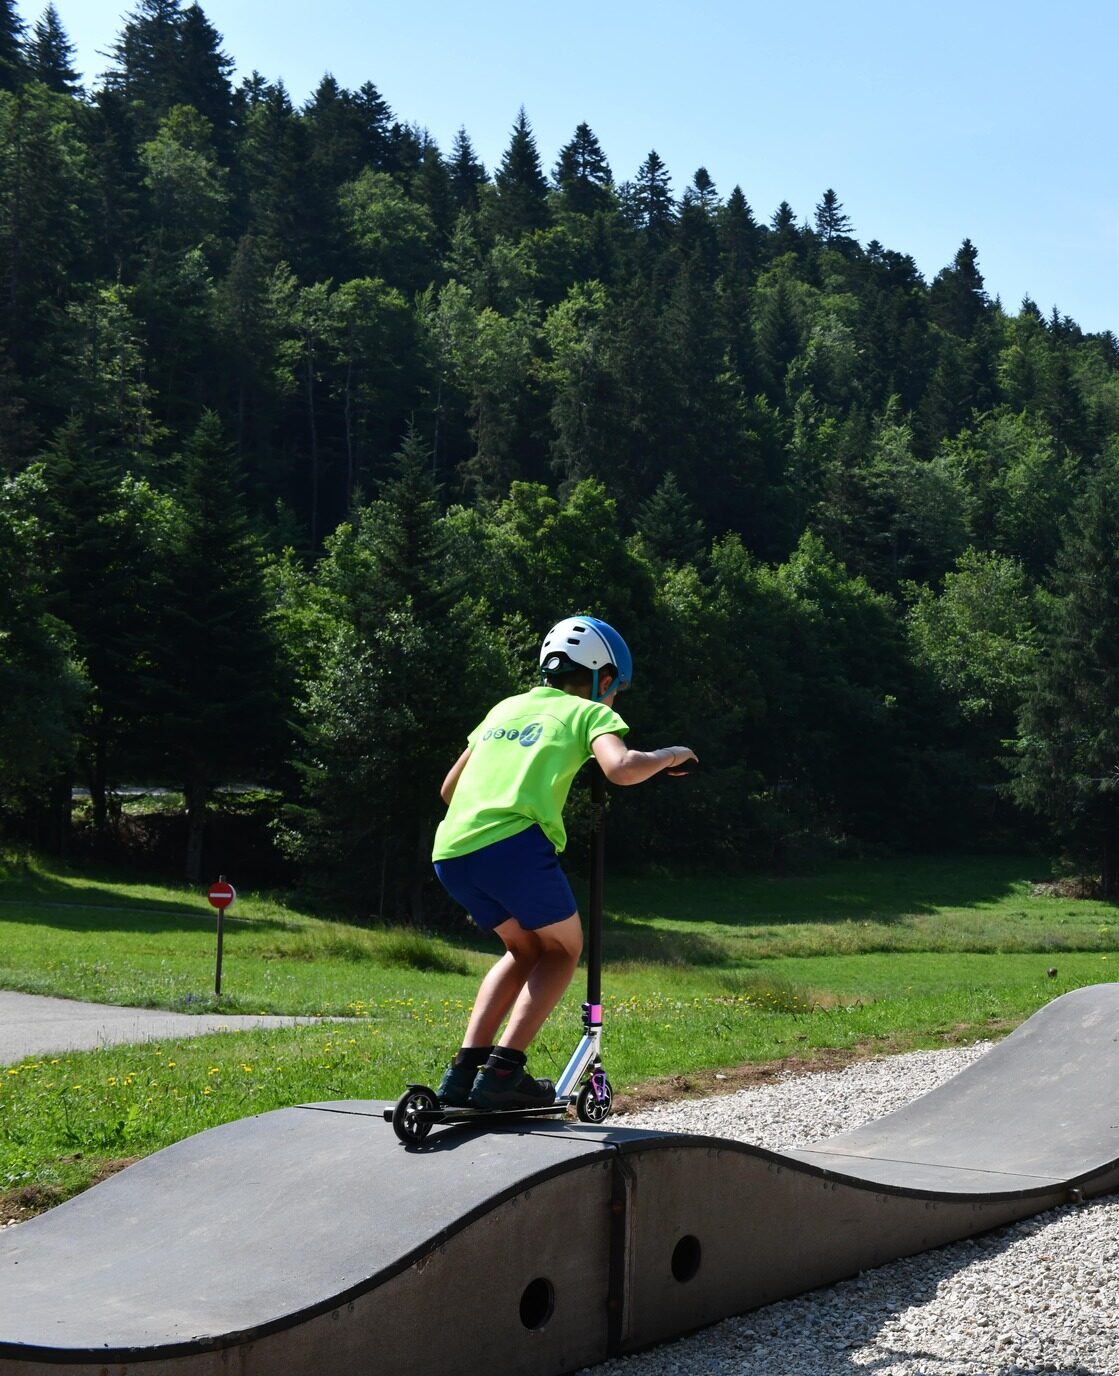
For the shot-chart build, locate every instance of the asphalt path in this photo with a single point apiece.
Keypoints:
(31, 1025)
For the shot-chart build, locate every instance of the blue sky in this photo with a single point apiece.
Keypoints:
(933, 122)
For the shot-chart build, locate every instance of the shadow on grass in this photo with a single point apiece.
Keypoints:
(876, 890)
(641, 943)
(47, 900)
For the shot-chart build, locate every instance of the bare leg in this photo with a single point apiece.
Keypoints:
(561, 945)
(499, 989)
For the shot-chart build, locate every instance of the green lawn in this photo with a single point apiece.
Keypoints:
(701, 973)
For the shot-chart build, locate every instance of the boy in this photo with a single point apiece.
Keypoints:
(496, 849)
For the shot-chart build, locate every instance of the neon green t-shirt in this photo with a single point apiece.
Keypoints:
(524, 756)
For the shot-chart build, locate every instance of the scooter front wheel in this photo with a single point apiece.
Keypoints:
(593, 1104)
(406, 1122)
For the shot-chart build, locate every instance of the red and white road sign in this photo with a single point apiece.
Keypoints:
(221, 895)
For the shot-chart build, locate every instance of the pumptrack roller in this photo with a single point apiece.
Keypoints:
(309, 1240)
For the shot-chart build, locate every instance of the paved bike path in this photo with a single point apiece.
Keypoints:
(33, 1025)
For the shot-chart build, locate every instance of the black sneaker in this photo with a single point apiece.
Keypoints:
(455, 1086)
(496, 1089)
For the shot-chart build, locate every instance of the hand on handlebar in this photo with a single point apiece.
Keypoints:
(682, 764)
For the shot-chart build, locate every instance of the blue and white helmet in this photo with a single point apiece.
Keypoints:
(590, 643)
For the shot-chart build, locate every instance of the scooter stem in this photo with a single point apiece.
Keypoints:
(586, 1054)
(598, 873)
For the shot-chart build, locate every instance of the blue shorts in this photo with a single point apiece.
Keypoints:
(519, 877)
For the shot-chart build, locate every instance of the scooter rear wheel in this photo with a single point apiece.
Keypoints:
(410, 1128)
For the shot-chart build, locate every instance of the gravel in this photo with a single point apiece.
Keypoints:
(1039, 1296)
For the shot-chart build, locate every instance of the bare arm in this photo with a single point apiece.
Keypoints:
(624, 766)
(450, 783)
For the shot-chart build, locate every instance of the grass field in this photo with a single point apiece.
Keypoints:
(703, 974)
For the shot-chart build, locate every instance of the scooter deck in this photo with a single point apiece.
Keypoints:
(487, 1115)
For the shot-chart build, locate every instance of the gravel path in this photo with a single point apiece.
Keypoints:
(1039, 1296)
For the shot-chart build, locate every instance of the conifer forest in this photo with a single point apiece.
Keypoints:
(310, 428)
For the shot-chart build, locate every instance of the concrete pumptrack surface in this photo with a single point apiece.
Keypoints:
(309, 1240)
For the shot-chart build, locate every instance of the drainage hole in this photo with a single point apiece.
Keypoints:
(538, 1302)
(686, 1256)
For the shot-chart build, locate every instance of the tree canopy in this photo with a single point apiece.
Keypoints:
(293, 381)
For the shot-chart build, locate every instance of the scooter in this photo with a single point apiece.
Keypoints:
(583, 1082)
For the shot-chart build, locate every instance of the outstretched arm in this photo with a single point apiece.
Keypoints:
(624, 766)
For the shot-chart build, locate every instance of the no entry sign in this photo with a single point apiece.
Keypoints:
(221, 894)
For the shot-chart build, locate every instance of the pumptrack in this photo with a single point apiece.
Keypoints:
(309, 1240)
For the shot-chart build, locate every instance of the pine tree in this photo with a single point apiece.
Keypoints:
(13, 61)
(785, 237)
(347, 132)
(582, 173)
(467, 173)
(377, 126)
(696, 235)
(831, 221)
(702, 405)
(373, 349)
(168, 56)
(116, 174)
(703, 192)
(335, 146)
(212, 690)
(249, 335)
(275, 165)
(521, 204)
(653, 207)
(50, 55)
(432, 189)
(1067, 765)
(145, 55)
(105, 567)
(44, 191)
(739, 234)
(205, 71)
(670, 529)
(779, 337)
(957, 297)
(397, 693)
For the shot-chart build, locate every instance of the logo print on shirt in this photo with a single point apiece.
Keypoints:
(529, 736)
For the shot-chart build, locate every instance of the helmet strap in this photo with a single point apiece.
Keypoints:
(596, 696)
